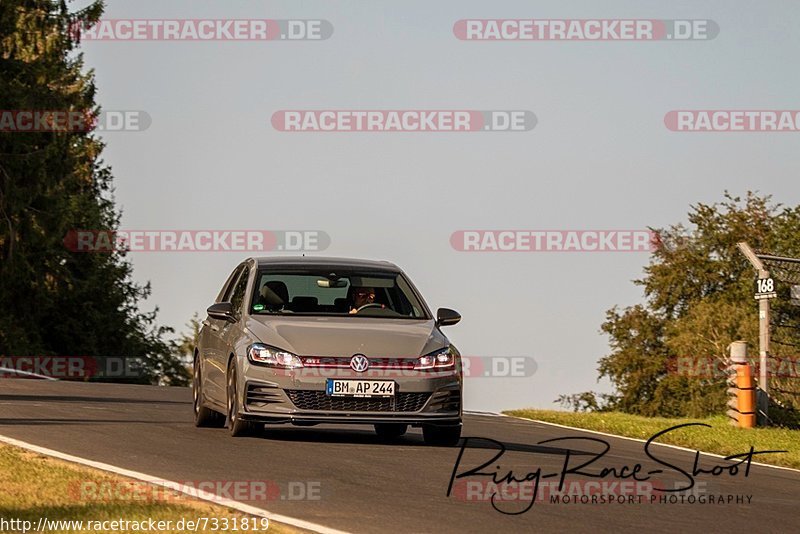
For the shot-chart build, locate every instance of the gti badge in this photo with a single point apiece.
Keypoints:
(359, 363)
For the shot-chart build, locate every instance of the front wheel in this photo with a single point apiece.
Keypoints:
(443, 436)
(235, 424)
(203, 417)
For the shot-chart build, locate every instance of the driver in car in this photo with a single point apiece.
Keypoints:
(361, 297)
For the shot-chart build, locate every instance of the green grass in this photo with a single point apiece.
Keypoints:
(722, 438)
(34, 486)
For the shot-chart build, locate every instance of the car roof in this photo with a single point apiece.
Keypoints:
(321, 261)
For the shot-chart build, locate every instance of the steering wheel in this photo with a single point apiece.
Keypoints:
(369, 305)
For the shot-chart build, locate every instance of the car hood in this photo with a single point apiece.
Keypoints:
(345, 336)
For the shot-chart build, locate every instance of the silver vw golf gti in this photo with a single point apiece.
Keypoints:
(324, 340)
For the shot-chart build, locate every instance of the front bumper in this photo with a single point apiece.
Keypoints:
(298, 396)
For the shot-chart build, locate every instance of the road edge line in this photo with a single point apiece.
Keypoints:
(191, 492)
(670, 445)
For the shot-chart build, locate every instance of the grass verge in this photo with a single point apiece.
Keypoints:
(722, 438)
(35, 486)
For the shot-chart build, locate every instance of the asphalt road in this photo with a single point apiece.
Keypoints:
(361, 484)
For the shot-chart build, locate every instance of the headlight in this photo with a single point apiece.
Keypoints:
(261, 354)
(441, 359)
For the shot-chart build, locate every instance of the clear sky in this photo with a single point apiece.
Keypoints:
(600, 156)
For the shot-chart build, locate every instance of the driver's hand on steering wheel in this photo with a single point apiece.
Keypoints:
(362, 296)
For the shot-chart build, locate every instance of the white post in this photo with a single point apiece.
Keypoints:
(763, 337)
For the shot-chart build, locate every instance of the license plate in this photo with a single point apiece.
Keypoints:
(359, 388)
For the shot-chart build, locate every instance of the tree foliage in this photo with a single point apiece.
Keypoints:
(53, 301)
(699, 298)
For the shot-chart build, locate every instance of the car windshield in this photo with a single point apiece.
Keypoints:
(344, 293)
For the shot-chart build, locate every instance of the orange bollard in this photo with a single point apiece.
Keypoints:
(742, 401)
(747, 420)
(744, 377)
(746, 401)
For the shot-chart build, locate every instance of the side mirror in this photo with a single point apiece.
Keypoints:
(222, 311)
(447, 317)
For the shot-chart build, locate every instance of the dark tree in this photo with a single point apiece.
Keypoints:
(54, 301)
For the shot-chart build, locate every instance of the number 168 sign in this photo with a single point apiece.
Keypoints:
(765, 288)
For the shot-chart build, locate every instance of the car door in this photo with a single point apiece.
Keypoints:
(231, 332)
(213, 372)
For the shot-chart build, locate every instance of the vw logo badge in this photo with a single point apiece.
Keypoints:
(359, 363)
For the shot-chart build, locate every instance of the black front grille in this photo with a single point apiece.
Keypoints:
(318, 400)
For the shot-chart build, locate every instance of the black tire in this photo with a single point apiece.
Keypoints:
(235, 424)
(390, 430)
(203, 417)
(443, 436)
